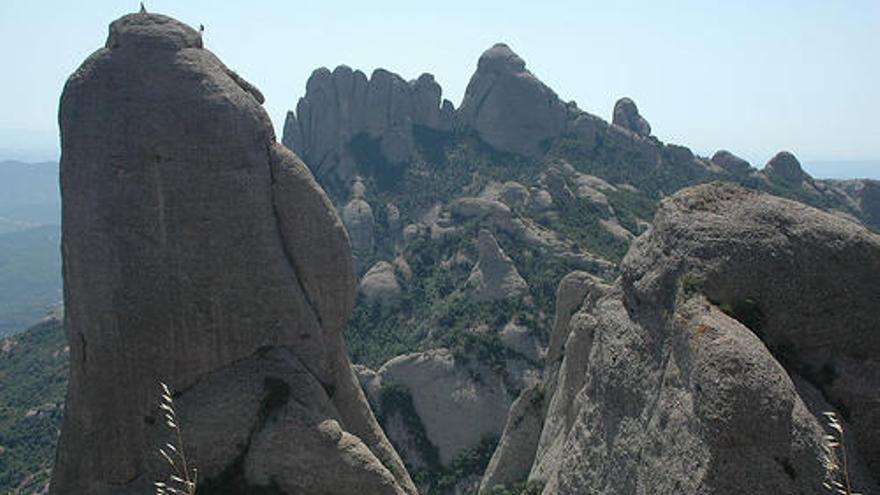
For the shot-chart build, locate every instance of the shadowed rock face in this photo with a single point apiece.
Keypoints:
(343, 105)
(494, 277)
(869, 201)
(730, 162)
(626, 115)
(785, 168)
(509, 107)
(738, 319)
(200, 252)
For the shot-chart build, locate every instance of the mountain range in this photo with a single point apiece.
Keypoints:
(537, 300)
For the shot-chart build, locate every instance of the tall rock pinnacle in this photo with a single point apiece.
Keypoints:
(200, 252)
(626, 115)
(343, 111)
(785, 168)
(509, 107)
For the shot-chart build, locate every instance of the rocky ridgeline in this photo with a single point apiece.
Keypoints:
(738, 319)
(342, 105)
(504, 104)
(524, 176)
(347, 126)
(200, 252)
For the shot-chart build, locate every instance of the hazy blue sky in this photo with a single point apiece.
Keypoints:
(753, 77)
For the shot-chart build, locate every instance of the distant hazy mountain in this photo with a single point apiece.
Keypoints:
(28, 195)
(844, 169)
(30, 261)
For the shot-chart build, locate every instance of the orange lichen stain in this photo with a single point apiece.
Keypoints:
(702, 328)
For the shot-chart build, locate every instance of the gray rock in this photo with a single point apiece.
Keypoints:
(200, 252)
(626, 115)
(514, 194)
(520, 339)
(343, 105)
(494, 277)
(392, 218)
(660, 391)
(357, 216)
(587, 129)
(786, 169)
(459, 402)
(730, 162)
(426, 102)
(510, 108)
(513, 458)
(380, 284)
(511, 193)
(402, 268)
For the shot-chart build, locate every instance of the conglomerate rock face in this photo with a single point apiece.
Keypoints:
(494, 277)
(626, 115)
(730, 162)
(785, 168)
(343, 113)
(738, 319)
(510, 108)
(200, 252)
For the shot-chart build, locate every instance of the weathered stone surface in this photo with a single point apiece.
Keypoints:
(511, 193)
(392, 219)
(660, 391)
(344, 105)
(380, 284)
(510, 108)
(785, 168)
(459, 402)
(357, 216)
(521, 339)
(494, 277)
(513, 458)
(730, 162)
(402, 268)
(626, 115)
(199, 252)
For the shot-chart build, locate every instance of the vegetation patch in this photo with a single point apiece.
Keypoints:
(521, 488)
(470, 463)
(396, 399)
(692, 284)
(33, 381)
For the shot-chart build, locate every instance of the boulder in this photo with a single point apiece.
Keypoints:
(508, 107)
(357, 216)
(494, 277)
(200, 252)
(706, 367)
(784, 168)
(514, 194)
(730, 162)
(380, 284)
(626, 115)
(521, 340)
(459, 402)
(392, 220)
(402, 268)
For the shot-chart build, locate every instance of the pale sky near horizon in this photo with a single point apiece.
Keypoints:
(754, 77)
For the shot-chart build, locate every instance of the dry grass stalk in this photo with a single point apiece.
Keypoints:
(836, 462)
(182, 480)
